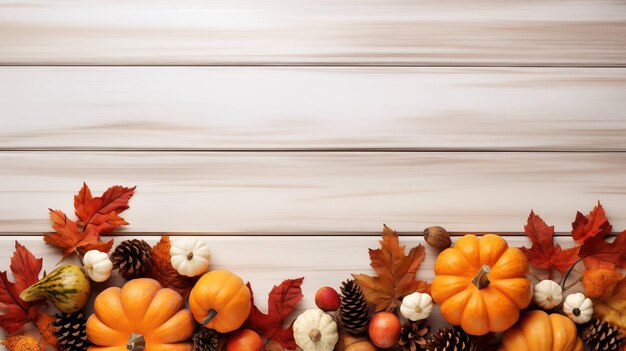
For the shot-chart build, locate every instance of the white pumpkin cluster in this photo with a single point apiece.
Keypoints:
(548, 294)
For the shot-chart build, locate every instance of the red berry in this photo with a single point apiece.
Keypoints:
(327, 299)
(244, 340)
(384, 330)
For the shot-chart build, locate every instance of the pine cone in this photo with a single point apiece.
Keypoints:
(603, 336)
(413, 336)
(353, 310)
(69, 328)
(206, 340)
(451, 339)
(131, 258)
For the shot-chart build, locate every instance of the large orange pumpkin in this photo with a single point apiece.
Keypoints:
(220, 301)
(538, 331)
(481, 284)
(140, 315)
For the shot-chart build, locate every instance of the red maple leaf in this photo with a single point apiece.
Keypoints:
(591, 225)
(281, 302)
(102, 212)
(544, 253)
(25, 268)
(597, 252)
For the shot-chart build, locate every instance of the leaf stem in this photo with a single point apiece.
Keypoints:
(568, 273)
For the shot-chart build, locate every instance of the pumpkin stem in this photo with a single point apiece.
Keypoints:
(481, 280)
(209, 318)
(315, 335)
(136, 342)
(190, 255)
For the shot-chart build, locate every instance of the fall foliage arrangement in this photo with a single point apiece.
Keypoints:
(494, 296)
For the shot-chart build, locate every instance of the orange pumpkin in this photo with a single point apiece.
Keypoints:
(481, 284)
(538, 331)
(140, 315)
(220, 301)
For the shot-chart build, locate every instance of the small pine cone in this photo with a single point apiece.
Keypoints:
(69, 328)
(206, 340)
(603, 336)
(131, 258)
(451, 339)
(353, 309)
(413, 336)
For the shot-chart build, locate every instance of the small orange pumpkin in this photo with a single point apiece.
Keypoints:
(142, 315)
(538, 331)
(481, 284)
(220, 300)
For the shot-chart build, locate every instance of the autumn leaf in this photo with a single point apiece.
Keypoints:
(95, 215)
(396, 273)
(281, 302)
(67, 236)
(161, 269)
(543, 253)
(598, 252)
(613, 308)
(26, 269)
(594, 224)
(102, 213)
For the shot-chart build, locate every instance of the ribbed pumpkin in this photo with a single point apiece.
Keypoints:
(142, 315)
(220, 301)
(481, 284)
(538, 331)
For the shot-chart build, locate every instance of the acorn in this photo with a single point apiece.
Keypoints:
(438, 237)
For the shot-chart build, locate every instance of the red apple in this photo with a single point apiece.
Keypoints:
(327, 299)
(244, 340)
(384, 330)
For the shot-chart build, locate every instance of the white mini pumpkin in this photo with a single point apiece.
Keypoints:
(416, 306)
(578, 308)
(315, 330)
(547, 294)
(190, 256)
(97, 265)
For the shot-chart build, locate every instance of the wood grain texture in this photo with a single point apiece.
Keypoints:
(314, 193)
(389, 32)
(266, 261)
(136, 108)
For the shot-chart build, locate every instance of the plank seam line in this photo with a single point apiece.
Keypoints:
(343, 234)
(311, 150)
(328, 65)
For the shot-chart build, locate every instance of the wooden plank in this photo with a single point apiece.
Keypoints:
(266, 261)
(313, 108)
(317, 193)
(397, 32)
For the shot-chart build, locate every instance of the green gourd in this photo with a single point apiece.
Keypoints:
(67, 287)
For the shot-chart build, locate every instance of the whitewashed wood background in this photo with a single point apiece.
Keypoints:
(288, 132)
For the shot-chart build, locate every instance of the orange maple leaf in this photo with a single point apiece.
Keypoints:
(396, 273)
(67, 236)
(95, 215)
